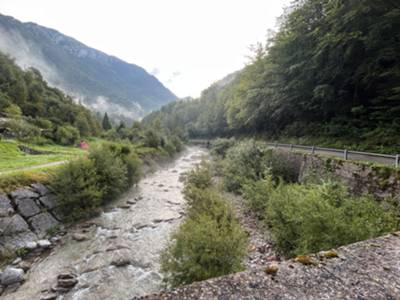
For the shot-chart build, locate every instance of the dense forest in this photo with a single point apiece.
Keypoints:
(330, 75)
(36, 111)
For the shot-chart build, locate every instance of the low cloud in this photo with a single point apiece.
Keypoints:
(102, 105)
(155, 72)
(174, 75)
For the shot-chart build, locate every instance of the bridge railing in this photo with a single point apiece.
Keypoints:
(343, 153)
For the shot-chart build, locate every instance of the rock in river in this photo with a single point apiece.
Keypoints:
(79, 237)
(44, 244)
(66, 281)
(12, 275)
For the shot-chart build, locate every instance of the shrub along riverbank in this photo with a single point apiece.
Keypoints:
(303, 218)
(210, 242)
(84, 185)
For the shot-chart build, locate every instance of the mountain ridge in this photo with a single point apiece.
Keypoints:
(100, 81)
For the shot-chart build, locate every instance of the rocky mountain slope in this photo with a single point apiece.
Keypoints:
(100, 81)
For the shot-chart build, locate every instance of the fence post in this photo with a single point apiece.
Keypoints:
(291, 147)
(397, 160)
(346, 154)
(313, 150)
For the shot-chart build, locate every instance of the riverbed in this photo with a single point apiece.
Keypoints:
(118, 256)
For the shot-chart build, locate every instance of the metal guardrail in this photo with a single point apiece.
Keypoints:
(386, 159)
(343, 153)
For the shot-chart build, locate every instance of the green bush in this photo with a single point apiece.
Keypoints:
(242, 164)
(257, 193)
(177, 142)
(40, 141)
(133, 168)
(169, 147)
(306, 219)
(21, 129)
(281, 165)
(249, 160)
(152, 139)
(200, 176)
(13, 111)
(219, 147)
(173, 145)
(207, 201)
(112, 172)
(208, 244)
(77, 189)
(67, 135)
(43, 123)
(126, 153)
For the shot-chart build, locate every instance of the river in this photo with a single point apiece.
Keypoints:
(119, 258)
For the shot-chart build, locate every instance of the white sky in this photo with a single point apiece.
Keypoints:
(186, 44)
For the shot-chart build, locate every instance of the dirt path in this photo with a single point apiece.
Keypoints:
(52, 164)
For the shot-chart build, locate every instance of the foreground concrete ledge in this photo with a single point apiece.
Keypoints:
(364, 270)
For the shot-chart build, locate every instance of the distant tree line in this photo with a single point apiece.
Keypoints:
(331, 72)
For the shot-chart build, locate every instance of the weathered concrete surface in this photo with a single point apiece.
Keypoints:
(364, 270)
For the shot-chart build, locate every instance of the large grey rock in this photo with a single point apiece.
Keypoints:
(42, 222)
(40, 188)
(12, 275)
(121, 258)
(49, 201)
(15, 233)
(13, 225)
(31, 246)
(21, 194)
(44, 244)
(17, 241)
(27, 207)
(5, 206)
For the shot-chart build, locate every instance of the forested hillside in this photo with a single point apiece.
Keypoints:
(35, 112)
(331, 75)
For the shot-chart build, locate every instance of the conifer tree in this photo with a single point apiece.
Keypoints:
(106, 122)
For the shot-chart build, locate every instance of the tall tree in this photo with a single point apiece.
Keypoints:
(106, 122)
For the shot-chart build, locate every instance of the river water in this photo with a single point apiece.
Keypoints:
(120, 257)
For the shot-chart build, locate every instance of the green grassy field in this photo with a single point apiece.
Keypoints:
(20, 169)
(13, 159)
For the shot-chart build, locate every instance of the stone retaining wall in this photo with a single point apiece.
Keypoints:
(26, 216)
(360, 177)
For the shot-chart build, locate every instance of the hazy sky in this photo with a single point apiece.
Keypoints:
(187, 44)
